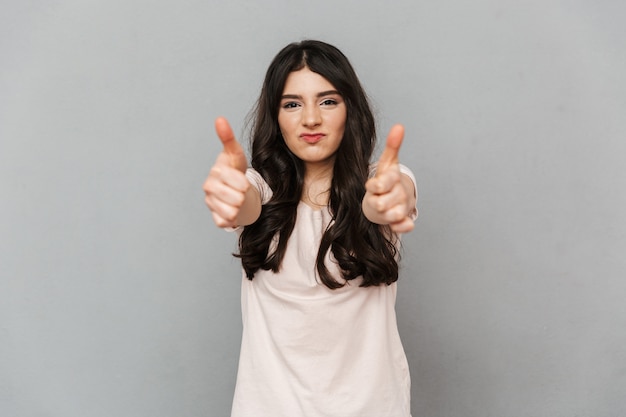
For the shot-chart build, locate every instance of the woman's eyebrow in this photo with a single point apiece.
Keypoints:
(322, 94)
(328, 93)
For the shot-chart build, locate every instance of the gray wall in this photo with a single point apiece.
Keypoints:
(118, 296)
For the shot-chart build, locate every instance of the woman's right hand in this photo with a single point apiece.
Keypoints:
(226, 188)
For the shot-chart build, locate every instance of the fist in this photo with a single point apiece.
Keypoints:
(226, 185)
(389, 196)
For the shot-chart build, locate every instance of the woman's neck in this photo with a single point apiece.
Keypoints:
(316, 187)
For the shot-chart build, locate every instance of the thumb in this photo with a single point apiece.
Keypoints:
(231, 147)
(392, 148)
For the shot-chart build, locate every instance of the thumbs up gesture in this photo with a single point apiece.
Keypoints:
(228, 193)
(390, 196)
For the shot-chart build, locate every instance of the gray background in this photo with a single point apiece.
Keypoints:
(118, 296)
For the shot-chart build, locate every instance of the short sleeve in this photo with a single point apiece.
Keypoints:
(257, 181)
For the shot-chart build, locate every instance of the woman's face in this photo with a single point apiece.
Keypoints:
(312, 118)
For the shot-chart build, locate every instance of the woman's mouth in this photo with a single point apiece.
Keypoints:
(312, 137)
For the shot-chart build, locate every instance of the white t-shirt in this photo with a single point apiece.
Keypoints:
(309, 351)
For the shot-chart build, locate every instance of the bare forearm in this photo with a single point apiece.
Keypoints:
(250, 210)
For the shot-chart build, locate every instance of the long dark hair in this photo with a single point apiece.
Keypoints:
(360, 247)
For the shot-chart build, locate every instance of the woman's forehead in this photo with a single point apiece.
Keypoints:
(306, 81)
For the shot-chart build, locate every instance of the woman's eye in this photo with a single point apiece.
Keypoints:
(329, 102)
(290, 105)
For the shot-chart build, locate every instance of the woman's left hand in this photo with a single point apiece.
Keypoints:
(390, 195)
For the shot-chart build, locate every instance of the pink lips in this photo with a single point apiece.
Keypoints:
(312, 137)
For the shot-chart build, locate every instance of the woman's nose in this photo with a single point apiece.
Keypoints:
(311, 116)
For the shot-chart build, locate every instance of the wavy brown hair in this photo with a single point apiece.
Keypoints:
(360, 247)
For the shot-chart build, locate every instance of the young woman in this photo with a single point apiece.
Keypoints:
(318, 240)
